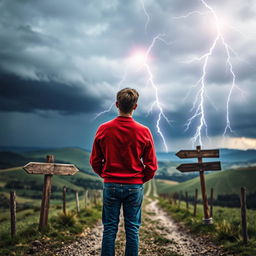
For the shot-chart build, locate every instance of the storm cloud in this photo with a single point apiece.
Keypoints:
(32, 96)
(70, 58)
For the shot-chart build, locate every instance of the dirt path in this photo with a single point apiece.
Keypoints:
(177, 238)
(88, 244)
(159, 235)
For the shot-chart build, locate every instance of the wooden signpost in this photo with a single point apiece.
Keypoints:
(48, 169)
(201, 167)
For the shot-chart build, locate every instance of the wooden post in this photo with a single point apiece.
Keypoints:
(207, 219)
(77, 203)
(186, 196)
(89, 197)
(64, 200)
(85, 198)
(94, 197)
(243, 215)
(169, 198)
(211, 205)
(175, 198)
(13, 213)
(46, 197)
(179, 199)
(195, 201)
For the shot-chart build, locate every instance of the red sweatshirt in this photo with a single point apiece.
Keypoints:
(123, 152)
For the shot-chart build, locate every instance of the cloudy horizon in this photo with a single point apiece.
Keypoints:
(61, 64)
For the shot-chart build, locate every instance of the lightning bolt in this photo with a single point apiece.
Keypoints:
(198, 106)
(145, 65)
(147, 68)
(112, 104)
(156, 103)
(146, 14)
(190, 14)
(161, 114)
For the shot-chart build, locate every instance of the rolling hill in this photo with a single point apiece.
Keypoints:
(17, 178)
(224, 182)
(11, 159)
(76, 156)
(30, 186)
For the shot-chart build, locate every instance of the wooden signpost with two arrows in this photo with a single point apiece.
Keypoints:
(201, 167)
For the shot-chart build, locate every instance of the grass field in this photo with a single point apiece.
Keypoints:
(30, 185)
(60, 227)
(226, 230)
(223, 182)
(28, 188)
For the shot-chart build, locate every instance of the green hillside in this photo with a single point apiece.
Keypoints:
(11, 159)
(223, 182)
(30, 186)
(76, 156)
(17, 178)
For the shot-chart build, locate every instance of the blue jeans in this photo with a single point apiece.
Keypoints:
(130, 196)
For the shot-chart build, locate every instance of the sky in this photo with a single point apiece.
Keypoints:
(62, 63)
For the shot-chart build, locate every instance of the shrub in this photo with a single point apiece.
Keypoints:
(62, 220)
(227, 231)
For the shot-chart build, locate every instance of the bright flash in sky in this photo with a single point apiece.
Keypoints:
(137, 58)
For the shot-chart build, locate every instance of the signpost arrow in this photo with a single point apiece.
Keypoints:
(213, 166)
(210, 153)
(50, 168)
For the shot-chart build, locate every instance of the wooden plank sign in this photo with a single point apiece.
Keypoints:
(201, 167)
(210, 153)
(50, 168)
(213, 166)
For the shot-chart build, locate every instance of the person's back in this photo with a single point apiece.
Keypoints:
(123, 154)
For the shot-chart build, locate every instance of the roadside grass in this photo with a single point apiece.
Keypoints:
(226, 229)
(151, 186)
(224, 183)
(61, 229)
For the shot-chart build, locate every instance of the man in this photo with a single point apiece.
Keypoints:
(123, 155)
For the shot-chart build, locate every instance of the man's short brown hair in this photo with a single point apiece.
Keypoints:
(127, 98)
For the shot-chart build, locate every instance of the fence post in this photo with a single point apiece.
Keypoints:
(195, 202)
(243, 215)
(179, 199)
(186, 196)
(64, 200)
(13, 212)
(169, 197)
(77, 203)
(94, 197)
(175, 198)
(211, 205)
(85, 198)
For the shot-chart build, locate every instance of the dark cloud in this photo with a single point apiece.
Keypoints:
(21, 95)
(69, 57)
